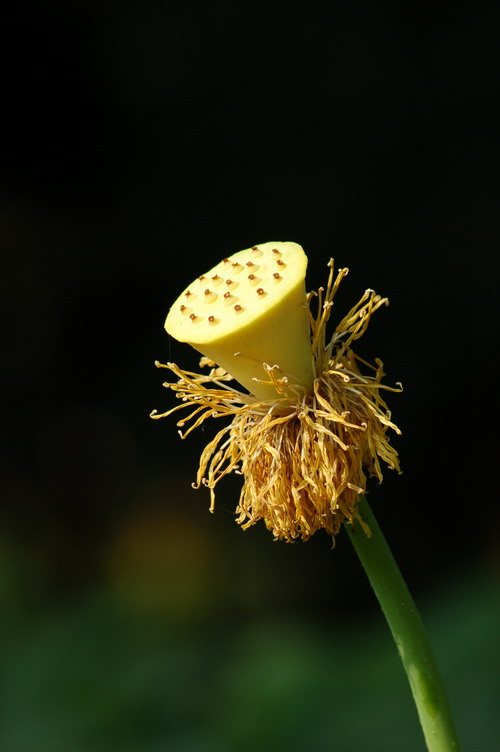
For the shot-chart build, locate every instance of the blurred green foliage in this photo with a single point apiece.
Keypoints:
(114, 672)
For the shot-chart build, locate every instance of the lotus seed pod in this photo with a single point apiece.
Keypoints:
(248, 310)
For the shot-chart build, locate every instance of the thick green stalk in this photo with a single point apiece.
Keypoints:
(408, 632)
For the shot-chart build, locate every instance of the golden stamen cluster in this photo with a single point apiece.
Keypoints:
(303, 455)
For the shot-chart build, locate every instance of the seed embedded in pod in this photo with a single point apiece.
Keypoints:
(210, 296)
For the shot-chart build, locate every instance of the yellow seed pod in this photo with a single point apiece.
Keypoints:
(248, 310)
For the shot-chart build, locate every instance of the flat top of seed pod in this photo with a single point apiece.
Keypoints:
(236, 292)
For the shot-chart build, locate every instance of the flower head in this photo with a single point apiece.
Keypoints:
(311, 425)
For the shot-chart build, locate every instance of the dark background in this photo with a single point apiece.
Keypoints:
(142, 142)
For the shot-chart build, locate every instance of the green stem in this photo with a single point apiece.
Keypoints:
(408, 632)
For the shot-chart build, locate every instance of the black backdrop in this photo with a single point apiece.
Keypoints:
(142, 142)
